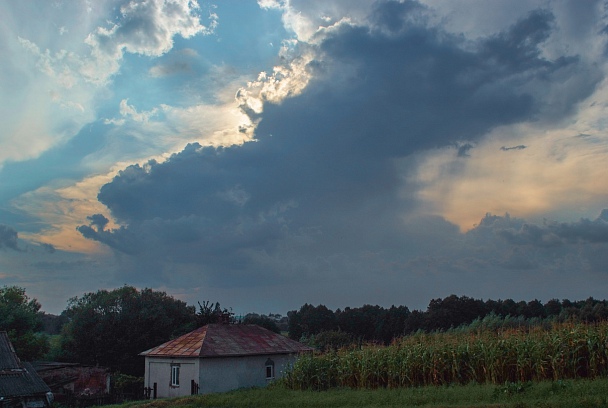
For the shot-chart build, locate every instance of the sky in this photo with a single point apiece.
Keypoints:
(266, 154)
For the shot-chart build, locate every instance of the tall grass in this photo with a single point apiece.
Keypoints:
(564, 351)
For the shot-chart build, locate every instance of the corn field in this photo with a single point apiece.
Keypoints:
(565, 351)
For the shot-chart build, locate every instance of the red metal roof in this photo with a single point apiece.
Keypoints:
(226, 340)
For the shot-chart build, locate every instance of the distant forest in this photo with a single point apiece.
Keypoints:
(322, 327)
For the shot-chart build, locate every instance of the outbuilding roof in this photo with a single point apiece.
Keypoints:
(227, 340)
(8, 357)
(17, 379)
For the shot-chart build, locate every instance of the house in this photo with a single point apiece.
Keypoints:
(20, 385)
(218, 358)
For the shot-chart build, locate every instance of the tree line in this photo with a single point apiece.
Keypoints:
(322, 327)
(111, 327)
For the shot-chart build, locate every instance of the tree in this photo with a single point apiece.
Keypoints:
(213, 313)
(263, 321)
(362, 322)
(20, 319)
(414, 322)
(507, 307)
(310, 320)
(330, 340)
(393, 324)
(535, 308)
(52, 324)
(553, 307)
(453, 311)
(110, 328)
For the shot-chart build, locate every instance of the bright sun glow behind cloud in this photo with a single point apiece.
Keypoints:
(538, 174)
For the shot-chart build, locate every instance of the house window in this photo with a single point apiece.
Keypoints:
(269, 369)
(175, 375)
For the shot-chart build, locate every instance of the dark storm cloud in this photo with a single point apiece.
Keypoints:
(8, 238)
(397, 16)
(517, 49)
(549, 234)
(542, 259)
(319, 189)
(99, 221)
(463, 150)
(519, 147)
(120, 239)
(48, 248)
(585, 230)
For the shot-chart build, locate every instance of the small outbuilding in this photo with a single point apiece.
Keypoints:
(71, 382)
(20, 385)
(218, 358)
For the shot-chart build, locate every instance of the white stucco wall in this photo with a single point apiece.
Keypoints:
(158, 370)
(212, 374)
(228, 373)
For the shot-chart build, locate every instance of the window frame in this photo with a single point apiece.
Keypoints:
(269, 365)
(175, 369)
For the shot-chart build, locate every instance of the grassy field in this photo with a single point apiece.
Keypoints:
(548, 394)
